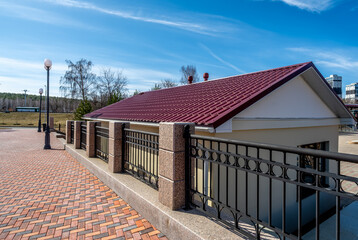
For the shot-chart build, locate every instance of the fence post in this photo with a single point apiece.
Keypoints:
(77, 134)
(68, 131)
(91, 138)
(115, 146)
(172, 164)
(52, 124)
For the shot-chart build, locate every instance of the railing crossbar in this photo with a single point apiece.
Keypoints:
(287, 168)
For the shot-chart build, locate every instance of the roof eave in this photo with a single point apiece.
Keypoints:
(241, 106)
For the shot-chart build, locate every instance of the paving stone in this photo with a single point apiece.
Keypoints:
(37, 236)
(129, 228)
(102, 235)
(48, 194)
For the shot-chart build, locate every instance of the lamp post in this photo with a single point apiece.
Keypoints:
(39, 127)
(47, 65)
(25, 95)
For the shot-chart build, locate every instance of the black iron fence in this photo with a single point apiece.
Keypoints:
(267, 191)
(348, 128)
(101, 142)
(60, 129)
(83, 136)
(141, 155)
(72, 131)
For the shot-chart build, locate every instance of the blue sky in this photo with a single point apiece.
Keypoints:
(150, 40)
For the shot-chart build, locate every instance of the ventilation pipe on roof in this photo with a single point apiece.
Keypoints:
(190, 79)
(206, 76)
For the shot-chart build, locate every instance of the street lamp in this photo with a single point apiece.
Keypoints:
(47, 65)
(39, 127)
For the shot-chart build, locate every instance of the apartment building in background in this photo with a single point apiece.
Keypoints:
(335, 82)
(352, 92)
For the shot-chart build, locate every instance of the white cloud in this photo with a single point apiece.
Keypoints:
(19, 74)
(141, 79)
(37, 15)
(222, 60)
(311, 5)
(329, 58)
(188, 26)
(11, 65)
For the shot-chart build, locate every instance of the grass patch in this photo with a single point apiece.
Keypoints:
(26, 119)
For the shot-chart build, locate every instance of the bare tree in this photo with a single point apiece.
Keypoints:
(168, 83)
(112, 85)
(165, 83)
(78, 79)
(136, 92)
(186, 71)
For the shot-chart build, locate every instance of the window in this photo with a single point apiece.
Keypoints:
(307, 161)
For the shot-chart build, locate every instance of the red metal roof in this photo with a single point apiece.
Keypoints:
(351, 105)
(209, 103)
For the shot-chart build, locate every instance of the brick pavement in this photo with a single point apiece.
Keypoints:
(349, 169)
(47, 194)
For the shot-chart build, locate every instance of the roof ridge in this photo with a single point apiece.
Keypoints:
(261, 71)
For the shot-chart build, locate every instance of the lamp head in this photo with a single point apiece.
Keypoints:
(41, 91)
(47, 64)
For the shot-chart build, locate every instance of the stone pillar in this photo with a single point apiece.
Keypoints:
(172, 164)
(115, 146)
(91, 138)
(68, 131)
(52, 123)
(77, 134)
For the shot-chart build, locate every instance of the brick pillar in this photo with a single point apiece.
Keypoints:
(77, 134)
(52, 123)
(115, 146)
(68, 131)
(91, 138)
(172, 164)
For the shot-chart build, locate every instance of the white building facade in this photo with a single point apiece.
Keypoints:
(352, 92)
(336, 83)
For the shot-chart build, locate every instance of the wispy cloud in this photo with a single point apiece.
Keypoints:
(33, 75)
(188, 26)
(329, 58)
(141, 79)
(37, 15)
(311, 5)
(222, 60)
(18, 74)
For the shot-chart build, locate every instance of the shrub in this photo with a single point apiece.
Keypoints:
(83, 108)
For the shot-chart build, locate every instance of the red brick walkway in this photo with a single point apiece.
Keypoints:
(49, 195)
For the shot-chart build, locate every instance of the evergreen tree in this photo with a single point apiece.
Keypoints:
(115, 97)
(83, 108)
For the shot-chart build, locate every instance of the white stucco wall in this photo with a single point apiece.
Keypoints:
(292, 105)
(295, 99)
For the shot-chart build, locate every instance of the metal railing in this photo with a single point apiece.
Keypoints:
(101, 142)
(348, 128)
(83, 136)
(140, 156)
(267, 191)
(59, 129)
(72, 131)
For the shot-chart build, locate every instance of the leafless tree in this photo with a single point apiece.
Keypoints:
(111, 84)
(168, 83)
(186, 71)
(78, 79)
(165, 83)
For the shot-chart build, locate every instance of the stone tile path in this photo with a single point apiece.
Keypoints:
(47, 194)
(349, 169)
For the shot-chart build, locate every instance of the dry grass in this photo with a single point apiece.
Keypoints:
(27, 119)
